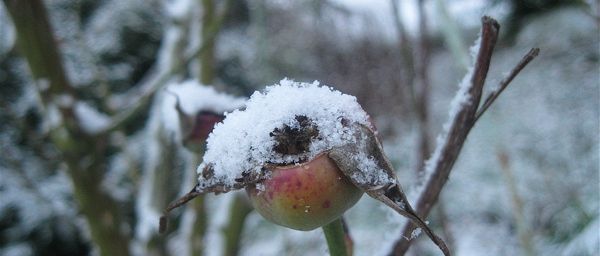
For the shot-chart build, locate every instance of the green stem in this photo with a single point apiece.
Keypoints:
(335, 236)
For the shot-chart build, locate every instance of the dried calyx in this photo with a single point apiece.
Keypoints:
(295, 139)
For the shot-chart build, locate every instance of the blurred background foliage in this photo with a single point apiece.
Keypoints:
(526, 183)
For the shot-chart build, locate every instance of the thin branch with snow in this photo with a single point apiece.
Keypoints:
(506, 81)
(463, 115)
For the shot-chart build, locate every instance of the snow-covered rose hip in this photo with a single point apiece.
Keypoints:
(305, 153)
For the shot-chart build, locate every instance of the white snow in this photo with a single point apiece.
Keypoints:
(586, 242)
(90, 120)
(7, 30)
(415, 233)
(370, 172)
(195, 97)
(242, 141)
(179, 9)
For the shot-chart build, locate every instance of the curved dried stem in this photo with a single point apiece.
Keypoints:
(163, 222)
(387, 190)
(404, 209)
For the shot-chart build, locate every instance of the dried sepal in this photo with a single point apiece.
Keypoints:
(378, 181)
(209, 183)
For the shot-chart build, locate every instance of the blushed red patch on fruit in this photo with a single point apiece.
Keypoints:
(305, 196)
(270, 194)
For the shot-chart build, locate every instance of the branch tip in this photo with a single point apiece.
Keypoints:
(163, 221)
(162, 224)
(490, 21)
(525, 60)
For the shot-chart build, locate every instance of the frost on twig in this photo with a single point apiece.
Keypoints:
(463, 115)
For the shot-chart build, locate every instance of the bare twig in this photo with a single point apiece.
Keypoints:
(415, 57)
(422, 86)
(506, 81)
(461, 125)
(457, 133)
(163, 221)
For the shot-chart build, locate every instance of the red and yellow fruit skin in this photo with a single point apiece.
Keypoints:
(305, 196)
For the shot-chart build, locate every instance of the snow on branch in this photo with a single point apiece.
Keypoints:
(464, 112)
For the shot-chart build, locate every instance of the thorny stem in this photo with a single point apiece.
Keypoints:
(335, 236)
(460, 127)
